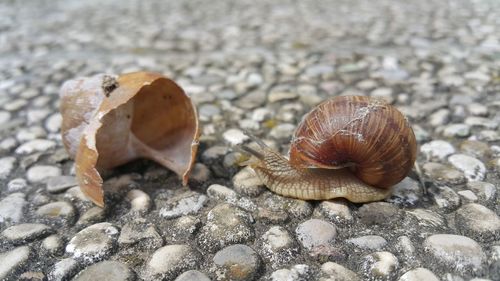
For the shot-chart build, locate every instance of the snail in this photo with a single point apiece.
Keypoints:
(354, 147)
(108, 121)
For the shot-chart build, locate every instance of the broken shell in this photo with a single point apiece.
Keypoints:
(109, 121)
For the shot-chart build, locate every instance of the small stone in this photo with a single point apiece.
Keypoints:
(140, 201)
(225, 225)
(314, 233)
(200, 173)
(334, 271)
(319, 70)
(419, 274)
(383, 93)
(53, 123)
(192, 275)
(380, 266)
(183, 229)
(93, 243)
(214, 153)
(475, 121)
(26, 232)
(247, 182)
(407, 249)
(140, 233)
(234, 136)
(75, 193)
(445, 198)
(336, 210)
(379, 213)
(32, 276)
(37, 145)
(4, 116)
(11, 208)
(489, 135)
(184, 204)
(437, 149)
(169, 261)
(440, 117)
(254, 80)
(60, 183)
(443, 174)
(59, 211)
(6, 166)
(109, 270)
(467, 195)
(282, 131)
(457, 130)
(17, 184)
(368, 242)
(427, 218)
(42, 172)
(7, 144)
(407, 192)
(473, 169)
(277, 96)
(236, 262)
(484, 190)
(298, 272)
(477, 109)
(278, 246)
(479, 222)
(454, 251)
(13, 260)
(475, 148)
(91, 216)
(52, 244)
(64, 270)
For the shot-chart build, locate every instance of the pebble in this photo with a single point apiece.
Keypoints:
(4, 116)
(383, 93)
(379, 213)
(406, 248)
(60, 183)
(108, 270)
(419, 274)
(475, 121)
(169, 261)
(53, 123)
(477, 109)
(282, 131)
(478, 222)
(192, 275)
(489, 135)
(454, 251)
(299, 272)
(406, 193)
(6, 166)
(140, 233)
(247, 182)
(443, 174)
(200, 173)
(64, 269)
(52, 244)
(26, 232)
(236, 262)
(17, 184)
(40, 173)
(467, 195)
(234, 136)
(380, 266)
(226, 225)
(93, 243)
(186, 203)
(60, 211)
(315, 233)
(91, 216)
(445, 198)
(276, 96)
(440, 117)
(437, 149)
(224, 193)
(11, 208)
(11, 261)
(36, 145)
(427, 218)
(473, 169)
(457, 130)
(278, 246)
(333, 271)
(336, 210)
(140, 202)
(484, 190)
(475, 148)
(368, 242)
(214, 152)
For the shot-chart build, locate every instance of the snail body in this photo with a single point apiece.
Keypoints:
(353, 147)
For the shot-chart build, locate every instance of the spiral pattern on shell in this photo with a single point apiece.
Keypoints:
(366, 134)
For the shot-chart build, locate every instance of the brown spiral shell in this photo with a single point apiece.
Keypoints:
(366, 134)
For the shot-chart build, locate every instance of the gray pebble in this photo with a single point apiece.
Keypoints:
(247, 182)
(467, 196)
(186, 203)
(108, 270)
(445, 198)
(236, 262)
(17, 184)
(140, 233)
(368, 242)
(200, 173)
(440, 117)
(407, 192)
(378, 213)
(473, 169)
(11, 261)
(234, 136)
(457, 252)
(64, 269)
(225, 225)
(419, 274)
(91, 216)
(169, 261)
(427, 218)
(282, 131)
(26, 232)
(484, 190)
(278, 246)
(36, 145)
(52, 244)
(443, 174)
(57, 212)
(192, 275)
(336, 210)
(437, 149)
(314, 233)
(297, 272)
(60, 183)
(11, 208)
(53, 123)
(93, 243)
(140, 202)
(475, 148)
(475, 121)
(380, 266)
(457, 130)
(479, 222)
(6, 166)
(334, 271)
(40, 173)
